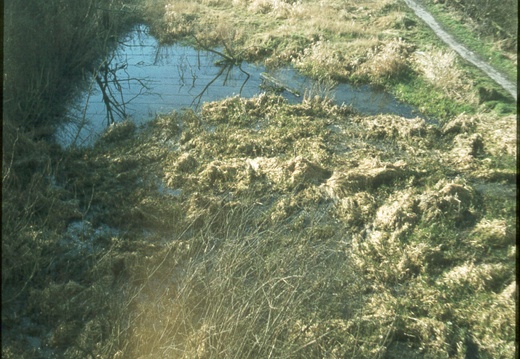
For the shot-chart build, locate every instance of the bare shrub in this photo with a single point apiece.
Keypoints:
(50, 46)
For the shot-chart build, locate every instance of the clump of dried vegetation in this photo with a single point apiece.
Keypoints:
(367, 42)
(260, 228)
(256, 228)
(439, 68)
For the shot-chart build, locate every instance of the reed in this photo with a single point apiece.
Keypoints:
(50, 47)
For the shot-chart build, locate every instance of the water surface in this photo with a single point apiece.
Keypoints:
(154, 79)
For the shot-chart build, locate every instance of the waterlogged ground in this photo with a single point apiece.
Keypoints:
(294, 230)
(258, 227)
(150, 78)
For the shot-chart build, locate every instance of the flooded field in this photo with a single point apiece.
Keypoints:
(226, 211)
(147, 78)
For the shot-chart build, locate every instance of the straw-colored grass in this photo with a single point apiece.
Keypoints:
(252, 232)
(237, 297)
(256, 228)
(439, 68)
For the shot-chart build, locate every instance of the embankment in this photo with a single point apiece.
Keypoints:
(464, 52)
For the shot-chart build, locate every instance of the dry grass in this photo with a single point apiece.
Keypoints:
(440, 68)
(233, 297)
(321, 60)
(178, 18)
(281, 244)
(386, 61)
(279, 9)
(283, 30)
(261, 229)
(345, 41)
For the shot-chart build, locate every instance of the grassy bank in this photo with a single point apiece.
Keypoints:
(257, 228)
(378, 43)
(260, 228)
(482, 33)
(50, 49)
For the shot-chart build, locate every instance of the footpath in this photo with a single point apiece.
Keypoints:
(463, 51)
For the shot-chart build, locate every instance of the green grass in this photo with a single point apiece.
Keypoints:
(484, 46)
(430, 102)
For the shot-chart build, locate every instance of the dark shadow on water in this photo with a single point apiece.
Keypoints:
(159, 79)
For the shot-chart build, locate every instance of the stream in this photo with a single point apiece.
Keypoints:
(153, 79)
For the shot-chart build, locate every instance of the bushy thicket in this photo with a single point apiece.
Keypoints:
(49, 47)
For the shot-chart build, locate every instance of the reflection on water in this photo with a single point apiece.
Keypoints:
(364, 99)
(158, 79)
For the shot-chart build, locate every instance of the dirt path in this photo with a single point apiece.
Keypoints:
(461, 49)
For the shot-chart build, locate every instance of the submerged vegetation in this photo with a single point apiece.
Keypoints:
(381, 43)
(256, 228)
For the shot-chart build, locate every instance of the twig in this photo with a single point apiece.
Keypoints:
(227, 57)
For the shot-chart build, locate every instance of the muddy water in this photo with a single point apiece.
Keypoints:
(154, 79)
